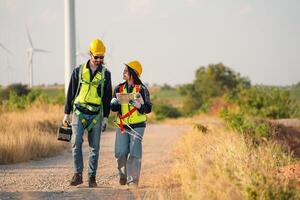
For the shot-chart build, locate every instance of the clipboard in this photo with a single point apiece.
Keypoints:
(125, 98)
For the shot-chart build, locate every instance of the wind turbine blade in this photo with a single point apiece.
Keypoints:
(41, 50)
(6, 49)
(29, 38)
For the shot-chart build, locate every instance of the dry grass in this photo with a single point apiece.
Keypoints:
(221, 165)
(30, 134)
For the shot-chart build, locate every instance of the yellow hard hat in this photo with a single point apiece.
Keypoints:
(136, 66)
(97, 47)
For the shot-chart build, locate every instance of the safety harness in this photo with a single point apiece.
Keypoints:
(91, 108)
(134, 109)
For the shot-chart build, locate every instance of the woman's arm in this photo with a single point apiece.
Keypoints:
(147, 106)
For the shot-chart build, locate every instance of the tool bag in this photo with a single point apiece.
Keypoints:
(64, 133)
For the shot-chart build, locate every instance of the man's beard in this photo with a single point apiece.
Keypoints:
(98, 63)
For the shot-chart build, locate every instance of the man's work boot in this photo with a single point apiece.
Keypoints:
(92, 181)
(122, 180)
(76, 179)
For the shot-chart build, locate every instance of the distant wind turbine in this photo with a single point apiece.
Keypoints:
(30, 51)
(6, 49)
(8, 67)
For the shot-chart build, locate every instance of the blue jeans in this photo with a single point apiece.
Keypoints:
(128, 152)
(94, 144)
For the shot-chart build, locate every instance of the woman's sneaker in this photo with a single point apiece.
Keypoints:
(76, 179)
(132, 185)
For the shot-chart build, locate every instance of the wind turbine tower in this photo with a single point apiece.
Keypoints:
(70, 43)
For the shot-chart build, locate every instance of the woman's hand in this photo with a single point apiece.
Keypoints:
(135, 103)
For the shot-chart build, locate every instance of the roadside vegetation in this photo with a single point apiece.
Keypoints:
(240, 160)
(29, 123)
(221, 164)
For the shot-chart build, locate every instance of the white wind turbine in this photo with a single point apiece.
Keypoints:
(5, 49)
(30, 51)
(8, 68)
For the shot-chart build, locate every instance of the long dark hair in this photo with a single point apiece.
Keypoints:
(136, 79)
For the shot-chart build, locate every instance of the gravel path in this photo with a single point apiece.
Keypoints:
(49, 178)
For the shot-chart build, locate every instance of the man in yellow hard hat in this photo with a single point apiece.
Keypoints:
(89, 95)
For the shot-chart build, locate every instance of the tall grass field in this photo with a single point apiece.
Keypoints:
(224, 165)
(30, 134)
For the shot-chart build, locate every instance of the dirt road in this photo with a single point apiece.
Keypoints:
(49, 178)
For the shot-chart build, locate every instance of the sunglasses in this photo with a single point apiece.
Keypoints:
(98, 57)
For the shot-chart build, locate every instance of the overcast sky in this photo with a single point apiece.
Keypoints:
(259, 39)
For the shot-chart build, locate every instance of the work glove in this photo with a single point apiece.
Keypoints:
(135, 103)
(67, 120)
(104, 124)
(114, 101)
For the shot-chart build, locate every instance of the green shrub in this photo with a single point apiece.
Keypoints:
(193, 100)
(255, 129)
(20, 102)
(163, 111)
(60, 99)
(267, 102)
(215, 80)
(16, 102)
(17, 88)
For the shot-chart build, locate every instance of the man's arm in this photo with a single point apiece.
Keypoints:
(107, 94)
(115, 107)
(71, 91)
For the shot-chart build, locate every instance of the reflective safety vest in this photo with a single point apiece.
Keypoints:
(88, 96)
(129, 114)
(88, 93)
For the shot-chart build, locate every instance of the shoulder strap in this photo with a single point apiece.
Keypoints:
(103, 80)
(121, 88)
(137, 88)
(79, 79)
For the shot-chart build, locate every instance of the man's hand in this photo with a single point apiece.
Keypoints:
(135, 103)
(67, 120)
(104, 124)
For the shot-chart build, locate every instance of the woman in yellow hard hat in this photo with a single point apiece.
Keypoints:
(131, 100)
